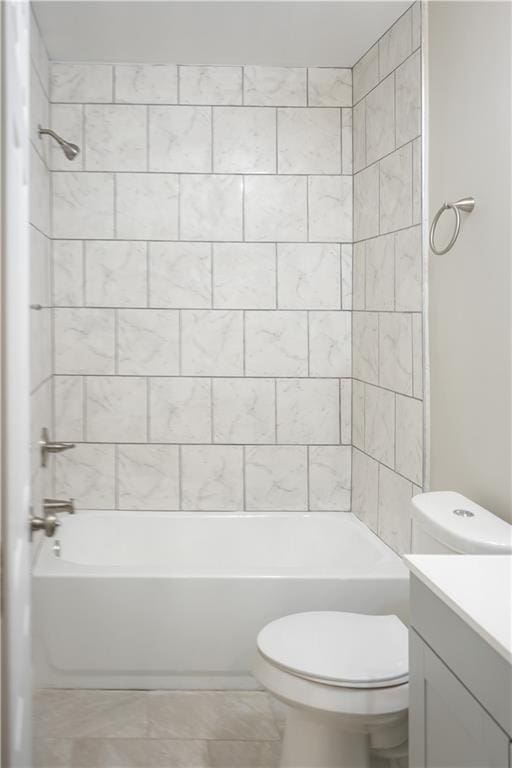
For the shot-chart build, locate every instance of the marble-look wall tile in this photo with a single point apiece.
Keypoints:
(68, 408)
(379, 424)
(244, 140)
(244, 276)
(211, 343)
(366, 73)
(40, 268)
(396, 190)
(276, 478)
(148, 342)
(180, 275)
(416, 25)
(346, 141)
(275, 86)
(308, 411)
(39, 54)
(180, 410)
(116, 409)
(396, 45)
(146, 83)
(409, 438)
(39, 115)
(147, 206)
(394, 510)
(408, 270)
(180, 139)
(359, 276)
(346, 275)
(329, 87)
(148, 477)
(416, 182)
(276, 208)
(380, 273)
(359, 135)
(329, 478)
(330, 208)
(276, 344)
(408, 99)
(417, 355)
(67, 120)
(115, 137)
(358, 398)
(345, 411)
(39, 193)
(83, 205)
(40, 347)
(308, 276)
(380, 120)
(89, 83)
(365, 488)
(87, 474)
(395, 352)
(330, 344)
(84, 341)
(366, 203)
(309, 140)
(210, 85)
(211, 207)
(115, 274)
(365, 341)
(212, 477)
(243, 410)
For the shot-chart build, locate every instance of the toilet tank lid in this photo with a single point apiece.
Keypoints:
(461, 524)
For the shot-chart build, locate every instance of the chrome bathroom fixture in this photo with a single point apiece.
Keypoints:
(69, 149)
(47, 446)
(466, 204)
(52, 506)
(47, 523)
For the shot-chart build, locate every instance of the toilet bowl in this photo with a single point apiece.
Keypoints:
(345, 679)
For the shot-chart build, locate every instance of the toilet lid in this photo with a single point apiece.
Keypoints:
(352, 650)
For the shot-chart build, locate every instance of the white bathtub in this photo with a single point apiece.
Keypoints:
(174, 600)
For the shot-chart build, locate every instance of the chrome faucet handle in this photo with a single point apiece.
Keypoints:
(48, 446)
(48, 524)
(59, 505)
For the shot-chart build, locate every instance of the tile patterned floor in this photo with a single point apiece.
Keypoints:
(156, 729)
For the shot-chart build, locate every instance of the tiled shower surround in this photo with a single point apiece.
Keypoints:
(205, 334)
(387, 428)
(202, 287)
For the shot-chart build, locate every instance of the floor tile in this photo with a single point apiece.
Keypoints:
(244, 754)
(232, 715)
(139, 753)
(52, 753)
(75, 714)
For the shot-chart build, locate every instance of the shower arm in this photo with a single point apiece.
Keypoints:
(70, 150)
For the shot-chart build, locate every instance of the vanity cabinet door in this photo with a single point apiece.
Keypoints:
(448, 728)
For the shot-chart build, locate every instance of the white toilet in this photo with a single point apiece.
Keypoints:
(345, 675)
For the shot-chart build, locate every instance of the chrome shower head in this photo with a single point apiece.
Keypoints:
(69, 149)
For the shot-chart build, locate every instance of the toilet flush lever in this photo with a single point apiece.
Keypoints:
(47, 446)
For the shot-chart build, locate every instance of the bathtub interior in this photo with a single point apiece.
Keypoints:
(215, 544)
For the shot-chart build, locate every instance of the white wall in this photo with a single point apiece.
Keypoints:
(469, 54)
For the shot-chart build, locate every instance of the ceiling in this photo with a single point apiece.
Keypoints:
(278, 32)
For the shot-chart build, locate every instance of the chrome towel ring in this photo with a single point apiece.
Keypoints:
(466, 204)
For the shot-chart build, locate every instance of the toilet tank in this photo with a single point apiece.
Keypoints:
(445, 522)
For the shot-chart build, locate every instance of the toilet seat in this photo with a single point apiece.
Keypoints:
(338, 649)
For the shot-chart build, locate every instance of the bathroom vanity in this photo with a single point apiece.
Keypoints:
(460, 661)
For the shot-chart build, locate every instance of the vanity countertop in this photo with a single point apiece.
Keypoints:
(478, 588)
